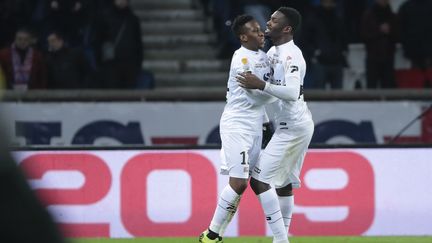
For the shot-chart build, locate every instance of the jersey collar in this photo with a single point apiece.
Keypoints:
(250, 51)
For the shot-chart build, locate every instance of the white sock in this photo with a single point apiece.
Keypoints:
(226, 206)
(270, 204)
(229, 218)
(286, 205)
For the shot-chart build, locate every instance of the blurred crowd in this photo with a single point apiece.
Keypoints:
(329, 26)
(70, 44)
(86, 44)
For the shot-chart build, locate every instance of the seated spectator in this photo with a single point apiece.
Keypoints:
(22, 64)
(379, 32)
(67, 68)
(119, 46)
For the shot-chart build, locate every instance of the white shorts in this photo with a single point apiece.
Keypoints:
(281, 161)
(239, 154)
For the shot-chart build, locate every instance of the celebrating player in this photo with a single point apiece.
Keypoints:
(240, 124)
(281, 161)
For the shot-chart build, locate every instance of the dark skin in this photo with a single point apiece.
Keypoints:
(252, 38)
(280, 33)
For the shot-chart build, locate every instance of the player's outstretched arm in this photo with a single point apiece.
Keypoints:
(289, 92)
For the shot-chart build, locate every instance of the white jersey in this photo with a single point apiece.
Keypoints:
(288, 68)
(243, 112)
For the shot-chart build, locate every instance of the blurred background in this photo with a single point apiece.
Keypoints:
(53, 53)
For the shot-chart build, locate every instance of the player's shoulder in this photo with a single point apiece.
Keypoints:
(295, 52)
(271, 50)
(237, 55)
(294, 49)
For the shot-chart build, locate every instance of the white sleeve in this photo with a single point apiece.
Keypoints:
(289, 92)
(258, 97)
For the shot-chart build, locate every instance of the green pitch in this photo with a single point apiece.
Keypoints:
(268, 240)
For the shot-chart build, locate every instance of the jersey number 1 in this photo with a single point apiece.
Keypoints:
(245, 160)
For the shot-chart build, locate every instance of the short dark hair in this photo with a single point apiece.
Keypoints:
(239, 22)
(293, 17)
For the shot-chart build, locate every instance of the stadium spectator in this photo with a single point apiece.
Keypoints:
(69, 16)
(352, 15)
(277, 171)
(119, 46)
(325, 46)
(416, 32)
(67, 68)
(23, 64)
(379, 32)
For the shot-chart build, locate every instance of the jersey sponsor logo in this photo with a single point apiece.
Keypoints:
(293, 69)
(266, 76)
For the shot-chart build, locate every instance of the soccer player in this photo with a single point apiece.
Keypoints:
(240, 124)
(277, 171)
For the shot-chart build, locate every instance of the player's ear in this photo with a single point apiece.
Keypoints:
(287, 29)
(243, 38)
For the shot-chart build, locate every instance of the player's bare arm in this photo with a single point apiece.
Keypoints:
(250, 81)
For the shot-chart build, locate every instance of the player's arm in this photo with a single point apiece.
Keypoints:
(259, 97)
(291, 91)
(255, 96)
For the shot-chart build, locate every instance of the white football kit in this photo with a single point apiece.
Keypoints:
(242, 118)
(281, 161)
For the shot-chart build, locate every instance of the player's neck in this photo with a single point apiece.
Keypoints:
(282, 40)
(250, 48)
